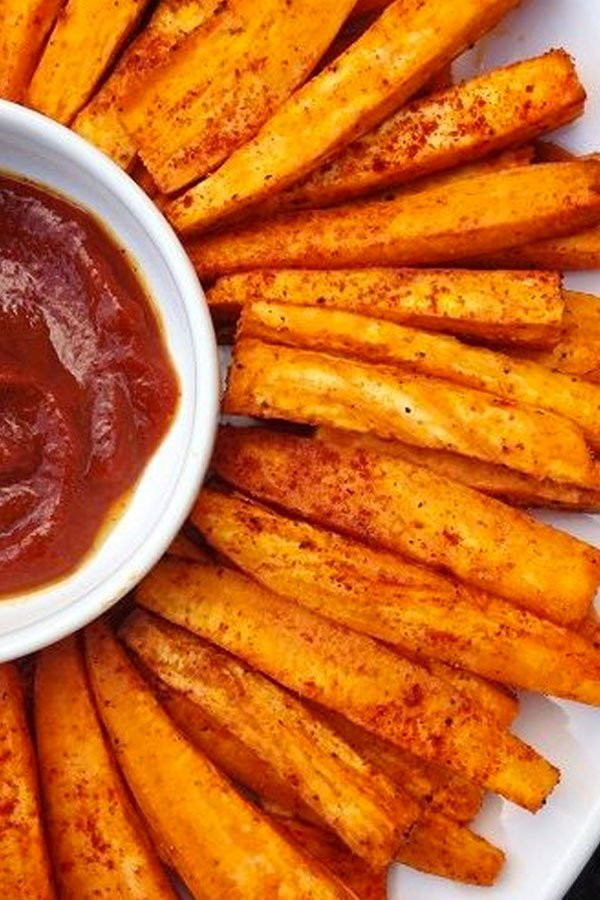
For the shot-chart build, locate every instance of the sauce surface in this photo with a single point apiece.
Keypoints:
(87, 389)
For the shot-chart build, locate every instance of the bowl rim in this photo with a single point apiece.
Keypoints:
(21, 640)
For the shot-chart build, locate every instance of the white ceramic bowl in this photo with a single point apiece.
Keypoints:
(37, 148)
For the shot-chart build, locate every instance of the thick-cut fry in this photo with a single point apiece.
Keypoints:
(407, 509)
(83, 43)
(275, 382)
(495, 699)
(24, 27)
(223, 82)
(505, 307)
(216, 841)
(99, 846)
(397, 55)
(501, 108)
(455, 221)
(348, 672)
(579, 251)
(100, 120)
(387, 343)
(497, 481)
(364, 808)
(402, 603)
(24, 864)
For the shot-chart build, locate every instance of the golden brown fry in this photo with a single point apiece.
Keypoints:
(385, 501)
(99, 121)
(485, 115)
(381, 342)
(99, 845)
(223, 82)
(505, 307)
(367, 811)
(407, 45)
(348, 672)
(497, 481)
(496, 699)
(217, 842)
(275, 382)
(24, 27)
(464, 219)
(24, 865)
(390, 598)
(579, 251)
(83, 43)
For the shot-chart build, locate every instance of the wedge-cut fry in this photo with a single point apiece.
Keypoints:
(438, 788)
(83, 43)
(223, 82)
(24, 27)
(407, 509)
(275, 382)
(579, 251)
(112, 856)
(348, 672)
(398, 54)
(217, 842)
(24, 865)
(390, 598)
(370, 814)
(497, 481)
(183, 547)
(505, 307)
(329, 850)
(99, 121)
(485, 115)
(382, 342)
(455, 221)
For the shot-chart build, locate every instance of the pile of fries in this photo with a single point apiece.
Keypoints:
(320, 676)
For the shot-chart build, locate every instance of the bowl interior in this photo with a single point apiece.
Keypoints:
(32, 146)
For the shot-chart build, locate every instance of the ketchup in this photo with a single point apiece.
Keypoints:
(87, 389)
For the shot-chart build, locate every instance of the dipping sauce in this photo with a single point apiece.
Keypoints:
(87, 389)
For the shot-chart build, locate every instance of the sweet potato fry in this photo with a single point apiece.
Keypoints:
(579, 251)
(24, 27)
(217, 842)
(485, 115)
(370, 814)
(397, 601)
(497, 481)
(24, 865)
(223, 82)
(505, 307)
(348, 672)
(385, 501)
(382, 342)
(99, 121)
(496, 699)
(111, 856)
(275, 382)
(83, 43)
(410, 42)
(464, 219)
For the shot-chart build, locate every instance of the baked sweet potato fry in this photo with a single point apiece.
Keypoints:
(381, 342)
(223, 82)
(485, 115)
(98, 843)
(464, 219)
(83, 44)
(369, 813)
(497, 481)
(505, 307)
(99, 121)
(390, 503)
(348, 672)
(217, 842)
(275, 382)
(402, 603)
(24, 864)
(409, 43)
(24, 27)
(573, 252)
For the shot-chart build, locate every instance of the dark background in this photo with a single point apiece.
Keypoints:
(587, 887)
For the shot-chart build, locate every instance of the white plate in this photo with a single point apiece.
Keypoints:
(546, 852)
